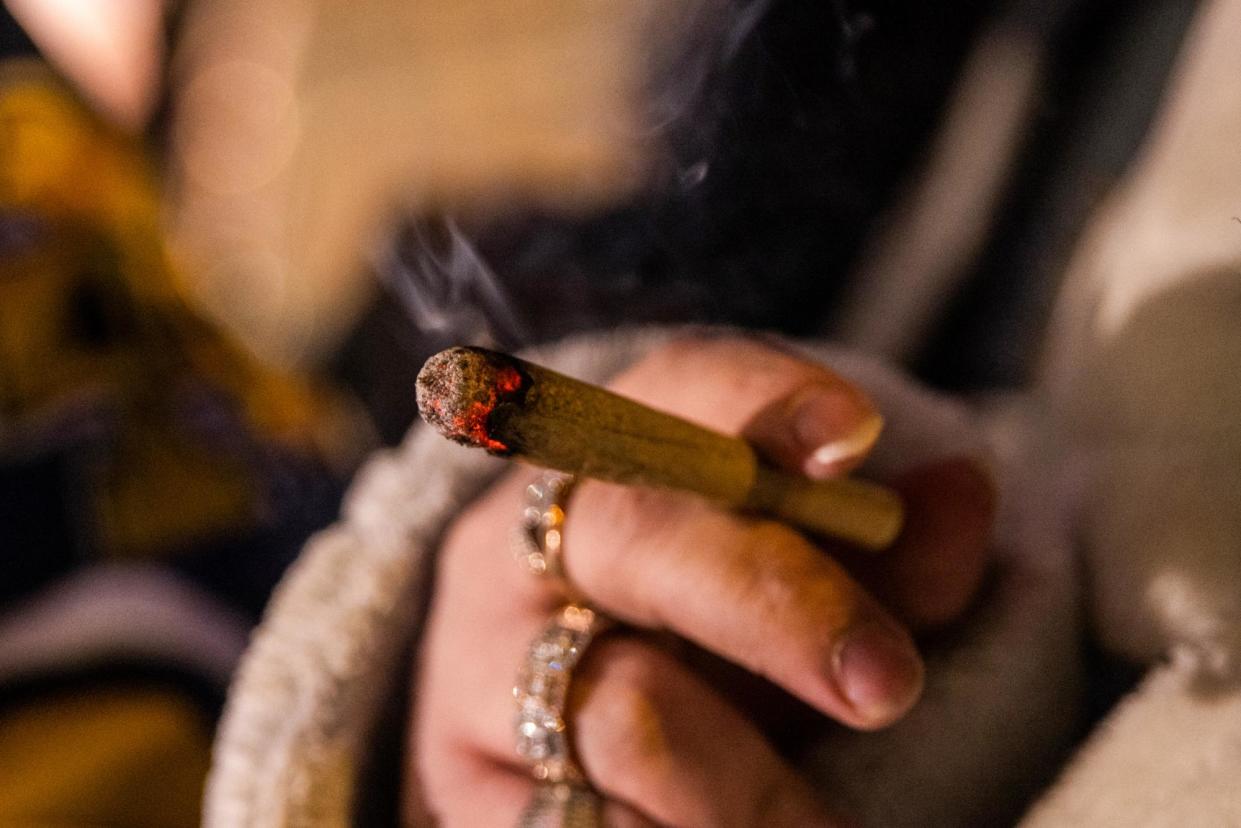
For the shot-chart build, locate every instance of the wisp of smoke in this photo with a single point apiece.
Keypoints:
(446, 286)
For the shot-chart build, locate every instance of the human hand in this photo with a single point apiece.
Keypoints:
(654, 728)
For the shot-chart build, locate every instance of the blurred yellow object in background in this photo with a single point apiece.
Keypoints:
(94, 328)
(115, 756)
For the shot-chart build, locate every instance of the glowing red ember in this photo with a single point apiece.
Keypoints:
(458, 390)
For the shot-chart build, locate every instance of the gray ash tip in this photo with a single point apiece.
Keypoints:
(458, 389)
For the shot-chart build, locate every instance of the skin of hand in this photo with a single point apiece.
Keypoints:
(663, 714)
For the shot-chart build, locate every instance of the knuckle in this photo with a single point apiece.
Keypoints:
(619, 725)
(693, 355)
(433, 779)
(688, 348)
(666, 360)
(435, 771)
(608, 527)
(725, 346)
(788, 583)
(469, 539)
(767, 568)
(777, 801)
(768, 800)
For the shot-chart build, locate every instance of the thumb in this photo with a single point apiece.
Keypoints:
(800, 416)
(824, 428)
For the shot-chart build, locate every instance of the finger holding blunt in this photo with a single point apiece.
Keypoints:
(515, 408)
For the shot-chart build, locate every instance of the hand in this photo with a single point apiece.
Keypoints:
(660, 735)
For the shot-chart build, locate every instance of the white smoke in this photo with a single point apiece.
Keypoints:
(447, 287)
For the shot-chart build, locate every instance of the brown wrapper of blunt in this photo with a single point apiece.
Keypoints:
(514, 408)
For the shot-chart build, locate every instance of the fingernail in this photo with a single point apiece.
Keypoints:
(878, 671)
(835, 427)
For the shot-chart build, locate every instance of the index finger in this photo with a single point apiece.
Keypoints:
(753, 591)
(803, 417)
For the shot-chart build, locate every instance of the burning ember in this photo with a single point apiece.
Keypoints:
(458, 396)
